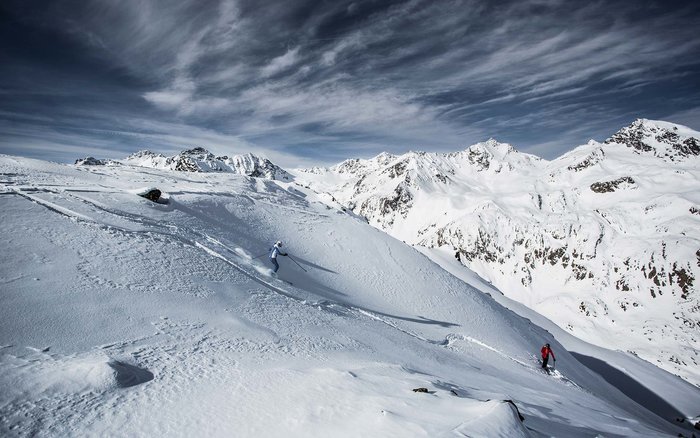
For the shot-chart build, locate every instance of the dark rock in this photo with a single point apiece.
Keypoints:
(594, 158)
(152, 195)
(611, 186)
(516, 409)
(89, 161)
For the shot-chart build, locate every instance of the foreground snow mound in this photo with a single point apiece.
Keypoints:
(123, 316)
(602, 240)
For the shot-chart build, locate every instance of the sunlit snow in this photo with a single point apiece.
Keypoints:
(126, 317)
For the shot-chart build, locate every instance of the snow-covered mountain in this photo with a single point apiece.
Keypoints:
(201, 160)
(126, 317)
(605, 240)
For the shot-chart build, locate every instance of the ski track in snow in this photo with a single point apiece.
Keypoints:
(529, 364)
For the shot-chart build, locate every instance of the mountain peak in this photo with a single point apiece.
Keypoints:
(197, 150)
(493, 147)
(491, 152)
(669, 141)
(385, 158)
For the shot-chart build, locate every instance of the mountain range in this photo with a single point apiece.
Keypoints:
(604, 240)
(198, 159)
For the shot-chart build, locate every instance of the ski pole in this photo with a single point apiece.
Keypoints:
(297, 264)
(257, 257)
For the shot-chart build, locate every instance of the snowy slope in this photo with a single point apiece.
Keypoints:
(126, 317)
(603, 240)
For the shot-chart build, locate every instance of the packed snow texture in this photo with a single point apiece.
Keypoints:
(122, 316)
(604, 241)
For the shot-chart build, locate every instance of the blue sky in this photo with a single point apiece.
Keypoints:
(316, 82)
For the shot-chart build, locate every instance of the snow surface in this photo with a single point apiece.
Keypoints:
(124, 317)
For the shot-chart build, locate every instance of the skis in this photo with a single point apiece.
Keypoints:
(549, 370)
(274, 275)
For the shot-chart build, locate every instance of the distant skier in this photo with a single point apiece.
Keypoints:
(273, 254)
(546, 351)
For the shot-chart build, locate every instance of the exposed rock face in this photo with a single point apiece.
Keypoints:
(592, 159)
(662, 140)
(201, 160)
(602, 240)
(611, 186)
(89, 161)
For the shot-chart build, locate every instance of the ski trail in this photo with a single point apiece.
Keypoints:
(375, 317)
(55, 207)
(556, 374)
(528, 365)
(253, 277)
(122, 214)
(240, 252)
(488, 347)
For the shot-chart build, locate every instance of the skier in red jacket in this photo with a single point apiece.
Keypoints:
(546, 351)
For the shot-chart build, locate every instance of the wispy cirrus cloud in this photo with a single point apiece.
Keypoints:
(319, 79)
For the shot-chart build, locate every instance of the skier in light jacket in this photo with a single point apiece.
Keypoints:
(273, 254)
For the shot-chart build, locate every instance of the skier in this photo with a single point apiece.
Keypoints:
(273, 254)
(546, 351)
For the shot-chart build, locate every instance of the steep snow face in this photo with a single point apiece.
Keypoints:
(603, 240)
(121, 316)
(201, 160)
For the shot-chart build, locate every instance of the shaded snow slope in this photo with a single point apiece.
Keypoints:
(126, 317)
(605, 240)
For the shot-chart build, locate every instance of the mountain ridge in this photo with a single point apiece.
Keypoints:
(199, 159)
(595, 239)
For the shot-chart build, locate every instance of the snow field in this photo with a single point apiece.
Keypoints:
(150, 319)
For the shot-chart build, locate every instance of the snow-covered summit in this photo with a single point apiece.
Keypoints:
(495, 156)
(199, 159)
(669, 141)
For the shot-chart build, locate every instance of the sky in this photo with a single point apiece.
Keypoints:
(316, 82)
